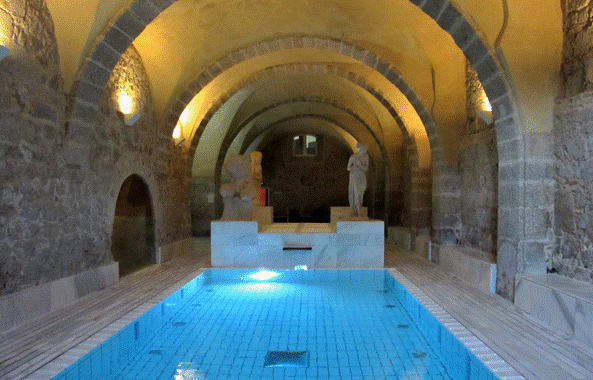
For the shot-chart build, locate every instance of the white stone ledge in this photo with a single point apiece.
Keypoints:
(477, 268)
(560, 302)
(35, 301)
(348, 244)
(178, 248)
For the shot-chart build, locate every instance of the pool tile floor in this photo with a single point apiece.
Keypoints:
(56, 339)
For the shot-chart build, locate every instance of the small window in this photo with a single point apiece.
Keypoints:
(304, 145)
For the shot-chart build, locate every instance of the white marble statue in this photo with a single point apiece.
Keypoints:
(357, 166)
(238, 195)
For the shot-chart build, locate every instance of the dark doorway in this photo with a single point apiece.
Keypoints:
(133, 228)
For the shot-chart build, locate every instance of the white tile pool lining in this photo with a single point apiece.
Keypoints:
(492, 360)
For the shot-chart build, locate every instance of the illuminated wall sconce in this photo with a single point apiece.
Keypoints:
(177, 135)
(126, 106)
(485, 113)
(3, 52)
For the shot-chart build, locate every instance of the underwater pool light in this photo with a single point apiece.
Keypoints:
(264, 274)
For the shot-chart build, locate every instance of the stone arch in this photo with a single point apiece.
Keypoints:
(233, 133)
(177, 104)
(133, 237)
(518, 250)
(419, 177)
(513, 249)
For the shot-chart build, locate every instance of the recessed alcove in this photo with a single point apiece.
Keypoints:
(133, 243)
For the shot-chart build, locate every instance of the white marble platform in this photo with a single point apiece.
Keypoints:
(475, 267)
(560, 302)
(263, 214)
(355, 244)
(178, 248)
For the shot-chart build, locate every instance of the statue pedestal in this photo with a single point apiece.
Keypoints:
(263, 215)
(347, 244)
(338, 214)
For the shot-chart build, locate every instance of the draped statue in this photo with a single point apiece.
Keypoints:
(357, 166)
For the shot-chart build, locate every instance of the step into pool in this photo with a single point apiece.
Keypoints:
(298, 324)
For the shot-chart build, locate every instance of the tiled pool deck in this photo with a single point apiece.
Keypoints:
(535, 351)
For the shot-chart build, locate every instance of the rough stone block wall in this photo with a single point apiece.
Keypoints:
(577, 63)
(37, 231)
(56, 219)
(140, 149)
(478, 162)
(307, 184)
(478, 169)
(202, 205)
(446, 203)
(573, 200)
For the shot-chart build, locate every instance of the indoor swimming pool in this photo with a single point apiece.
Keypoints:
(298, 324)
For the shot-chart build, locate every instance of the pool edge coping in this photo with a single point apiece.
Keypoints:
(496, 364)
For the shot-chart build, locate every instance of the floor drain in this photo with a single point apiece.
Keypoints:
(197, 304)
(419, 354)
(390, 306)
(403, 326)
(287, 359)
(383, 291)
(179, 323)
(155, 352)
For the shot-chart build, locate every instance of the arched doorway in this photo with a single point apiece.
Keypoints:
(133, 227)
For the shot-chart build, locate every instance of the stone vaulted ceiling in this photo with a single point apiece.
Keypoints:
(264, 52)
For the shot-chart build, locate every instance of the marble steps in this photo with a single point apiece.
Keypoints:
(530, 347)
(30, 346)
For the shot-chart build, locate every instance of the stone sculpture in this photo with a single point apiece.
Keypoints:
(238, 194)
(357, 166)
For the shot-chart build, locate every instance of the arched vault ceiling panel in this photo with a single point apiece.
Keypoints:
(378, 93)
(77, 23)
(321, 88)
(314, 127)
(349, 118)
(293, 85)
(196, 34)
(210, 141)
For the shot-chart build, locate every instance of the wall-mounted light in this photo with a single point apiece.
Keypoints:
(126, 106)
(485, 110)
(184, 118)
(126, 103)
(3, 52)
(177, 134)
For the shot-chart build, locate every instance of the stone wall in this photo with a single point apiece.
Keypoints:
(36, 198)
(478, 168)
(577, 63)
(573, 201)
(310, 185)
(57, 218)
(202, 204)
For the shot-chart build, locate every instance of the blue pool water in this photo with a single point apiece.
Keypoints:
(321, 324)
